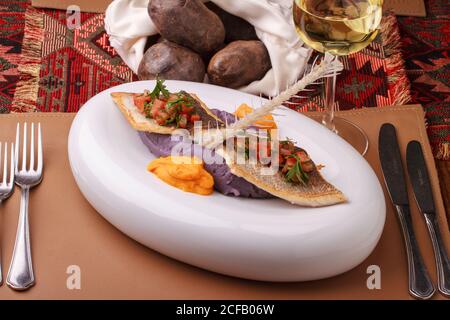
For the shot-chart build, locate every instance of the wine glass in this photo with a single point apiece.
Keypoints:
(339, 27)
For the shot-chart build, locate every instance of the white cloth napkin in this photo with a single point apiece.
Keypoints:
(128, 26)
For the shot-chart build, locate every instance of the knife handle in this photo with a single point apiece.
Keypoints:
(440, 254)
(420, 285)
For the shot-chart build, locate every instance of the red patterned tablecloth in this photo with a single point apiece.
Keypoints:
(426, 51)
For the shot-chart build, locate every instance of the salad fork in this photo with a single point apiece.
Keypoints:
(6, 185)
(20, 274)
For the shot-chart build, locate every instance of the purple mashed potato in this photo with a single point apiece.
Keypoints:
(225, 182)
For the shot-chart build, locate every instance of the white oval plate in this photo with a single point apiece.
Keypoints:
(255, 239)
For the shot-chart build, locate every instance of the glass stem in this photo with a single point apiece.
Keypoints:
(329, 93)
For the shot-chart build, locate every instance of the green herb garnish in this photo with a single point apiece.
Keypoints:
(172, 119)
(148, 109)
(297, 172)
(187, 103)
(159, 89)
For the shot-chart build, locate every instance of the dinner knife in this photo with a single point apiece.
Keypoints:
(420, 181)
(419, 282)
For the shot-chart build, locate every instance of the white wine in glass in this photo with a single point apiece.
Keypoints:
(339, 27)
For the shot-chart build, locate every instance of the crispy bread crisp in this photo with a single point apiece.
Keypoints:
(124, 101)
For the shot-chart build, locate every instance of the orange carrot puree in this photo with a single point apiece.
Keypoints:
(184, 173)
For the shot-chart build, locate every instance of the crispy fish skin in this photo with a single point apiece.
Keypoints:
(317, 193)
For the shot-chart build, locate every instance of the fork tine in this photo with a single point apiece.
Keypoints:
(16, 150)
(24, 147)
(5, 164)
(39, 157)
(11, 170)
(32, 147)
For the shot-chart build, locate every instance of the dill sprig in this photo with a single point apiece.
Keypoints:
(296, 172)
(159, 89)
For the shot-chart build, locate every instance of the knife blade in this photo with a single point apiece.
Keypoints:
(419, 282)
(420, 181)
(391, 163)
(418, 174)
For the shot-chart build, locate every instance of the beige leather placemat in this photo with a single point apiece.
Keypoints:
(406, 7)
(400, 7)
(65, 231)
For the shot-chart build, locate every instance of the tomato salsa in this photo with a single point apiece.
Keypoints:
(167, 109)
(294, 163)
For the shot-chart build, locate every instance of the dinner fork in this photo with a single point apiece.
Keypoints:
(6, 184)
(20, 274)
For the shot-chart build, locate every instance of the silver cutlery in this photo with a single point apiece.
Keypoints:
(420, 285)
(20, 274)
(420, 181)
(6, 183)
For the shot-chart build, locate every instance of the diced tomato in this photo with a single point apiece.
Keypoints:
(162, 118)
(195, 117)
(285, 152)
(291, 161)
(182, 123)
(186, 109)
(140, 100)
(159, 104)
(172, 110)
(154, 112)
(308, 166)
(302, 156)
